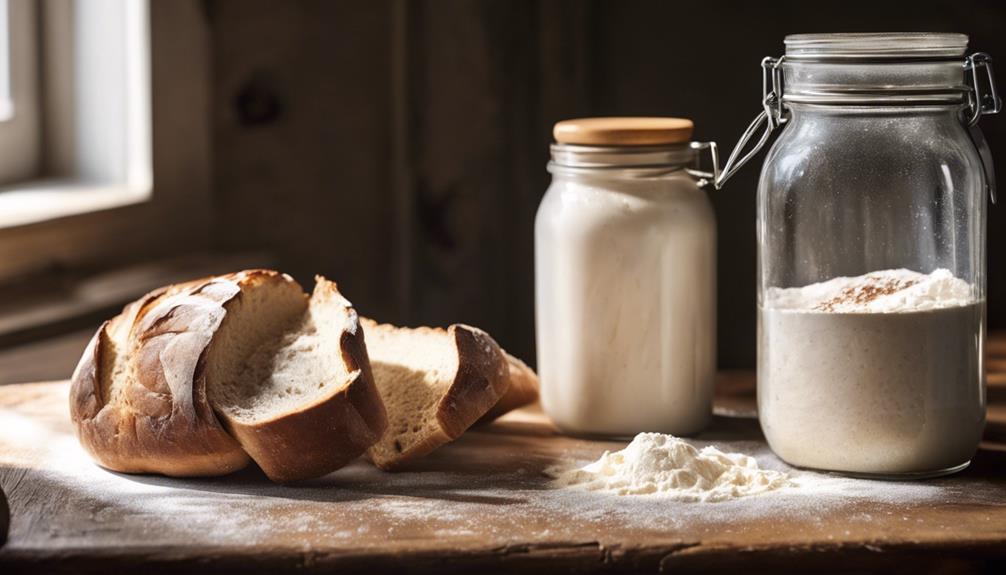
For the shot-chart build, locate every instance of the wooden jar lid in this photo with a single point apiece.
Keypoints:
(624, 131)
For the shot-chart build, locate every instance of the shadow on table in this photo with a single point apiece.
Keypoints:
(4, 517)
(988, 463)
(491, 464)
(348, 484)
(463, 471)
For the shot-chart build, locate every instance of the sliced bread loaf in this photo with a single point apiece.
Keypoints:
(435, 384)
(289, 380)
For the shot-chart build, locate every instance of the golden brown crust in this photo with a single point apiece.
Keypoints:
(157, 423)
(320, 438)
(481, 381)
(523, 390)
(85, 391)
(363, 394)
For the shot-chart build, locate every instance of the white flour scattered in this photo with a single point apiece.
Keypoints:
(660, 464)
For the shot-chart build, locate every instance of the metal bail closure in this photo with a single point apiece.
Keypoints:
(772, 116)
(982, 103)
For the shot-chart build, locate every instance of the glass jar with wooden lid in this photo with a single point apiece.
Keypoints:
(625, 280)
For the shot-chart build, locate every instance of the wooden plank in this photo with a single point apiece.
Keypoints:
(479, 504)
(463, 156)
(484, 100)
(301, 131)
(400, 149)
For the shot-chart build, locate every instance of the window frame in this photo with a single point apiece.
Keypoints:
(20, 126)
(165, 216)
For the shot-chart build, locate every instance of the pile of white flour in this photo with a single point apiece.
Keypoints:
(659, 464)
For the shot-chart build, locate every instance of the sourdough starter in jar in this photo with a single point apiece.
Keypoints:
(625, 283)
(876, 374)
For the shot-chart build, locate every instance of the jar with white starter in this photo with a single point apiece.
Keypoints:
(625, 283)
(871, 252)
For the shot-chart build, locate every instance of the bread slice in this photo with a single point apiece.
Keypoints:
(289, 379)
(523, 390)
(435, 384)
(295, 389)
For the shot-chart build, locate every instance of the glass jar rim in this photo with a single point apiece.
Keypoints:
(876, 46)
(603, 157)
(910, 68)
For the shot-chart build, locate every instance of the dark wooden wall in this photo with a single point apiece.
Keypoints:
(399, 146)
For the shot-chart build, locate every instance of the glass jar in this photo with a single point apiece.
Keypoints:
(625, 280)
(871, 245)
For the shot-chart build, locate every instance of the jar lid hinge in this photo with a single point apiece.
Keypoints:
(981, 101)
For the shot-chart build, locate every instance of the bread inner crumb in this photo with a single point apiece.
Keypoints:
(412, 371)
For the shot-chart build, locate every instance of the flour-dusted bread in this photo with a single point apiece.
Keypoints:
(523, 390)
(435, 384)
(146, 395)
(138, 396)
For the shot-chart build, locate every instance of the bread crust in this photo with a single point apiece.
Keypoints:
(522, 391)
(158, 422)
(483, 378)
(319, 438)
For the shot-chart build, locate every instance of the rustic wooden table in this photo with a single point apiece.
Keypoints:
(481, 504)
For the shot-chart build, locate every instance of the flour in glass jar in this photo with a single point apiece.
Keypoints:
(876, 374)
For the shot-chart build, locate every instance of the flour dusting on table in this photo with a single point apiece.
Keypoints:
(664, 465)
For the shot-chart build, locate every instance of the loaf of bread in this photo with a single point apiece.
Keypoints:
(199, 378)
(435, 384)
(193, 379)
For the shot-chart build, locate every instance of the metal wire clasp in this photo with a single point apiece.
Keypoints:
(772, 116)
(980, 102)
